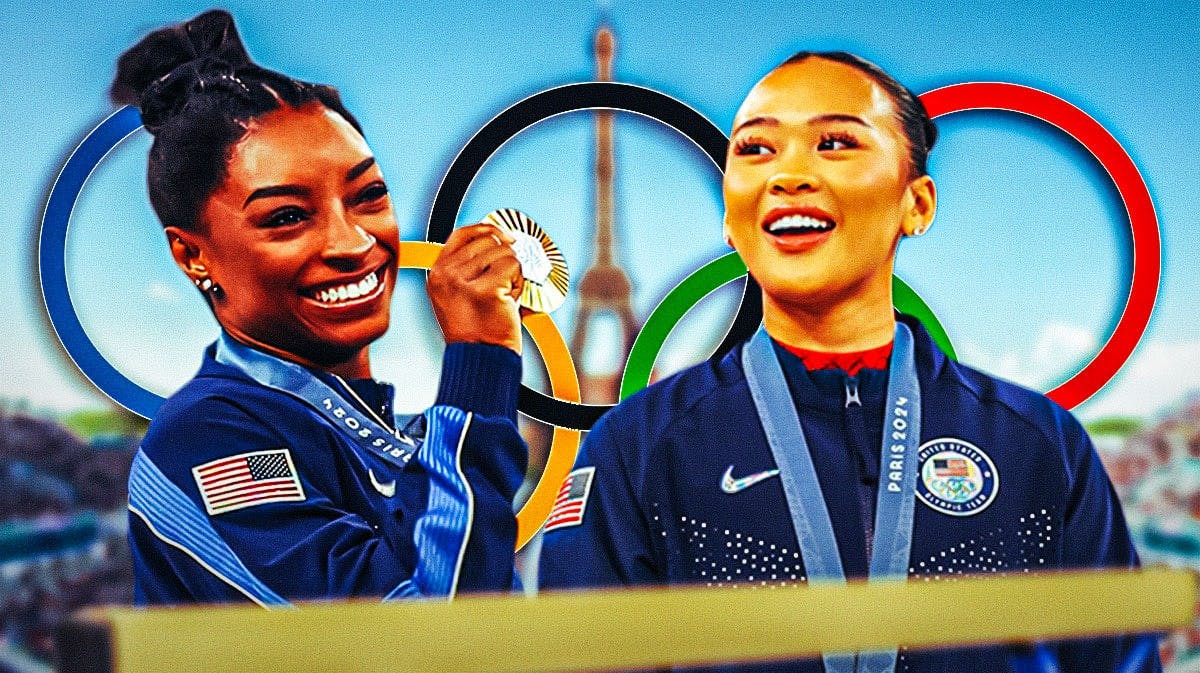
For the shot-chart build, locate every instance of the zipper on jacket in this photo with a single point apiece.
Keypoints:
(852, 398)
(857, 431)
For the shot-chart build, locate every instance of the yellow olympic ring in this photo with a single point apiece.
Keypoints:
(564, 384)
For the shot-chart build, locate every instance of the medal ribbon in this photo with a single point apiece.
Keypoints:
(810, 517)
(292, 379)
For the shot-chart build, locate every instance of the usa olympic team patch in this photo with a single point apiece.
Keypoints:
(956, 477)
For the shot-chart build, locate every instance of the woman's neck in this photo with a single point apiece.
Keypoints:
(358, 366)
(855, 324)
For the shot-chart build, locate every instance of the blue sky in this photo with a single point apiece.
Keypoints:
(1026, 265)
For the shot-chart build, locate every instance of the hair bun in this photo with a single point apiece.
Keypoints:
(165, 67)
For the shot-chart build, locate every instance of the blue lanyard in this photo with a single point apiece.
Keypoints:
(810, 516)
(372, 435)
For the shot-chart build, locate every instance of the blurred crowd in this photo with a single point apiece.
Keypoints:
(62, 531)
(1156, 471)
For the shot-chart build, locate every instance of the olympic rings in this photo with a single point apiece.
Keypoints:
(525, 113)
(966, 96)
(1147, 252)
(569, 414)
(698, 129)
(705, 280)
(52, 248)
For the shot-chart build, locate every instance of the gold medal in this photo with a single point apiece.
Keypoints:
(542, 264)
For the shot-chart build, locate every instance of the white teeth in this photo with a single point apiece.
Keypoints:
(350, 291)
(799, 222)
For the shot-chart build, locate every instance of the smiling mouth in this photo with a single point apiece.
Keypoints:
(792, 225)
(361, 291)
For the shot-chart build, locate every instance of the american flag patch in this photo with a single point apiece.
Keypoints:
(248, 479)
(571, 501)
(951, 467)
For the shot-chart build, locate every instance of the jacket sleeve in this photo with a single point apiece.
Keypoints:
(459, 535)
(484, 380)
(611, 544)
(1095, 536)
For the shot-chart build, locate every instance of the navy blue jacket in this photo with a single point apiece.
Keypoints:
(360, 525)
(656, 513)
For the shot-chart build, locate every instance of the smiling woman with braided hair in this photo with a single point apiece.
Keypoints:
(279, 473)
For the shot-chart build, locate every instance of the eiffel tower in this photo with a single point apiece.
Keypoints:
(604, 286)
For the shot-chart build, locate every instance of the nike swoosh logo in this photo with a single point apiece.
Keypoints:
(386, 490)
(731, 485)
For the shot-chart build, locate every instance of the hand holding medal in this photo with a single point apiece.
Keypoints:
(486, 271)
(543, 267)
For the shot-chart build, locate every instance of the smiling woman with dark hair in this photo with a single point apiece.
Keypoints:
(279, 472)
(839, 442)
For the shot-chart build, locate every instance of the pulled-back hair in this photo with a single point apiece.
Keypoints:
(198, 90)
(919, 129)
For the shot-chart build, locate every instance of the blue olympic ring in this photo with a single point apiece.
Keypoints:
(52, 267)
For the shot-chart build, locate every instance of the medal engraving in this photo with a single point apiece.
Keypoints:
(535, 265)
(542, 264)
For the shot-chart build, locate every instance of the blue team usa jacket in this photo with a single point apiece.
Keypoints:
(678, 486)
(289, 490)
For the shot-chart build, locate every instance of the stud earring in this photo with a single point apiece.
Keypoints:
(206, 284)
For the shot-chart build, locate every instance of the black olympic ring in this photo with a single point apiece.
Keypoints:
(570, 98)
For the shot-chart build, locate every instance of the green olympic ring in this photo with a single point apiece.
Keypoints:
(703, 281)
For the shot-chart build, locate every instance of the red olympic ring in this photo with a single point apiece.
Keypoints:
(1147, 252)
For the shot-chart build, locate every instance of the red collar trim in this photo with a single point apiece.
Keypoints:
(851, 363)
